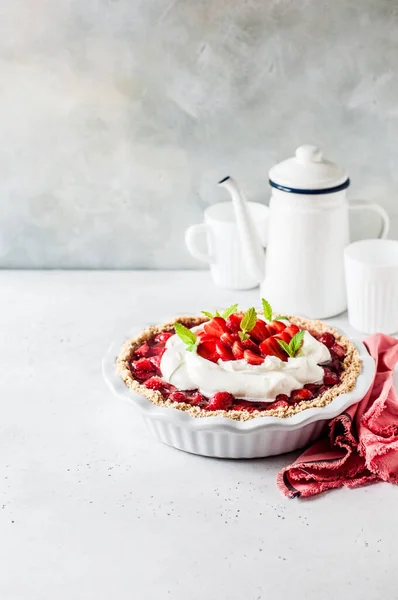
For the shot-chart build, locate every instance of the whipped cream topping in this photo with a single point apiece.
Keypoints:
(187, 371)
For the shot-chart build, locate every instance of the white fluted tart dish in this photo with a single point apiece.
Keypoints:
(239, 385)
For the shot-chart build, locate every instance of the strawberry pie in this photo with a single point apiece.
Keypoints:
(240, 365)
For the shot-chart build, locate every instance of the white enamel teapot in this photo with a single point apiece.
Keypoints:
(302, 270)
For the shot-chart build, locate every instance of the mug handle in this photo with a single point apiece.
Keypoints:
(191, 237)
(365, 205)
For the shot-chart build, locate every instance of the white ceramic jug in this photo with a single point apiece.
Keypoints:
(302, 271)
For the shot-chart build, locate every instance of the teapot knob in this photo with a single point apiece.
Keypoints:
(308, 154)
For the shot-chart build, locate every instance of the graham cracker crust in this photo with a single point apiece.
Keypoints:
(352, 368)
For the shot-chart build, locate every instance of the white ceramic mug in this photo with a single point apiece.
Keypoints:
(371, 271)
(224, 251)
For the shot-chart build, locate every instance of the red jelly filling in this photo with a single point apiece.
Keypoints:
(145, 368)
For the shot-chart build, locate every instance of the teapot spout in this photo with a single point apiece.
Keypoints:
(249, 238)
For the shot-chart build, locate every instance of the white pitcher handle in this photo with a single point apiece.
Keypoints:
(191, 240)
(365, 205)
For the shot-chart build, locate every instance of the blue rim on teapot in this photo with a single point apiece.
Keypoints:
(331, 190)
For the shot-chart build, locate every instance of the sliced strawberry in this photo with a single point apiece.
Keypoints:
(283, 336)
(338, 351)
(205, 337)
(313, 387)
(228, 338)
(163, 336)
(250, 345)
(143, 350)
(141, 376)
(233, 323)
(224, 351)
(208, 351)
(220, 401)
(216, 327)
(278, 404)
(330, 377)
(252, 359)
(271, 329)
(196, 399)
(271, 347)
(334, 365)
(143, 364)
(278, 325)
(244, 405)
(291, 331)
(283, 397)
(158, 349)
(156, 383)
(178, 397)
(287, 334)
(327, 338)
(155, 360)
(299, 395)
(259, 331)
(237, 350)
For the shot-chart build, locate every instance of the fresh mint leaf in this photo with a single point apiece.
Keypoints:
(217, 314)
(296, 342)
(229, 311)
(281, 318)
(249, 320)
(267, 309)
(294, 345)
(192, 347)
(187, 336)
(243, 335)
(208, 314)
(286, 347)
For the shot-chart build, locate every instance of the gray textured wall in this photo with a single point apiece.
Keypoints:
(118, 117)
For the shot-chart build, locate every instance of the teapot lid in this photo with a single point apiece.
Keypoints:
(308, 173)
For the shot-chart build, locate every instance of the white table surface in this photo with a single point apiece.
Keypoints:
(93, 508)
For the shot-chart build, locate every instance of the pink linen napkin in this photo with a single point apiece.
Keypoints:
(362, 444)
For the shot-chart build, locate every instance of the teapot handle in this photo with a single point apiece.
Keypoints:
(191, 241)
(366, 205)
